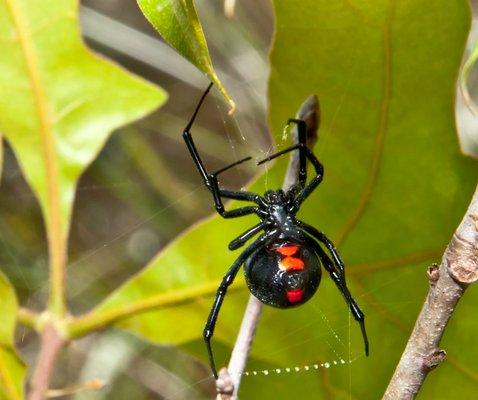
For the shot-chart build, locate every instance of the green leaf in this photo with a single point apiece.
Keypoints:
(58, 106)
(177, 22)
(469, 63)
(12, 369)
(395, 189)
(59, 101)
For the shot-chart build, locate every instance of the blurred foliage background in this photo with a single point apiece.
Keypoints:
(142, 191)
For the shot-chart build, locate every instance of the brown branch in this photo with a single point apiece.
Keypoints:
(229, 379)
(51, 344)
(458, 269)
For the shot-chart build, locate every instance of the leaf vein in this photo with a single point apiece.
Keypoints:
(403, 328)
(380, 138)
(381, 265)
(53, 212)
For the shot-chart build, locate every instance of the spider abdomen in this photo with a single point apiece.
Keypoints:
(284, 274)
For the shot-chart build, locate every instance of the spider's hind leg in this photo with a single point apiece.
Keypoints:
(321, 237)
(339, 279)
(222, 290)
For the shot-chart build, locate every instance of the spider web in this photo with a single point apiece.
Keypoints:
(339, 344)
(333, 336)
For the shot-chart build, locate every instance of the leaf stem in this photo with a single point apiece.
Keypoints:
(28, 318)
(51, 196)
(448, 282)
(57, 300)
(99, 319)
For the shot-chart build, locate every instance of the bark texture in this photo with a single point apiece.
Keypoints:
(448, 282)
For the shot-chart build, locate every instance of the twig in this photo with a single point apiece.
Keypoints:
(51, 344)
(230, 378)
(458, 269)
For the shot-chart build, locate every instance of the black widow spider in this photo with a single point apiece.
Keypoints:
(281, 267)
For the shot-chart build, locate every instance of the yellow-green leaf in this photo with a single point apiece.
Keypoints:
(59, 103)
(1, 157)
(12, 369)
(178, 24)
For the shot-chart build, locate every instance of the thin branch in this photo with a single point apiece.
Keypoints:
(51, 344)
(229, 379)
(458, 269)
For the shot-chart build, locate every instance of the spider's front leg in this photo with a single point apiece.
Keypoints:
(314, 182)
(305, 153)
(210, 179)
(222, 290)
(219, 206)
(302, 142)
(339, 279)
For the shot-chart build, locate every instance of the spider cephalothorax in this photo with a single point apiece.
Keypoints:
(282, 266)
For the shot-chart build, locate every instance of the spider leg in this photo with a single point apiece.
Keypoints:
(301, 146)
(310, 187)
(280, 153)
(339, 280)
(240, 195)
(327, 242)
(218, 204)
(245, 236)
(302, 141)
(224, 169)
(305, 153)
(222, 290)
(210, 179)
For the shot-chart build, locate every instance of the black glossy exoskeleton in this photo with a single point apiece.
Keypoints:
(282, 266)
(284, 274)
